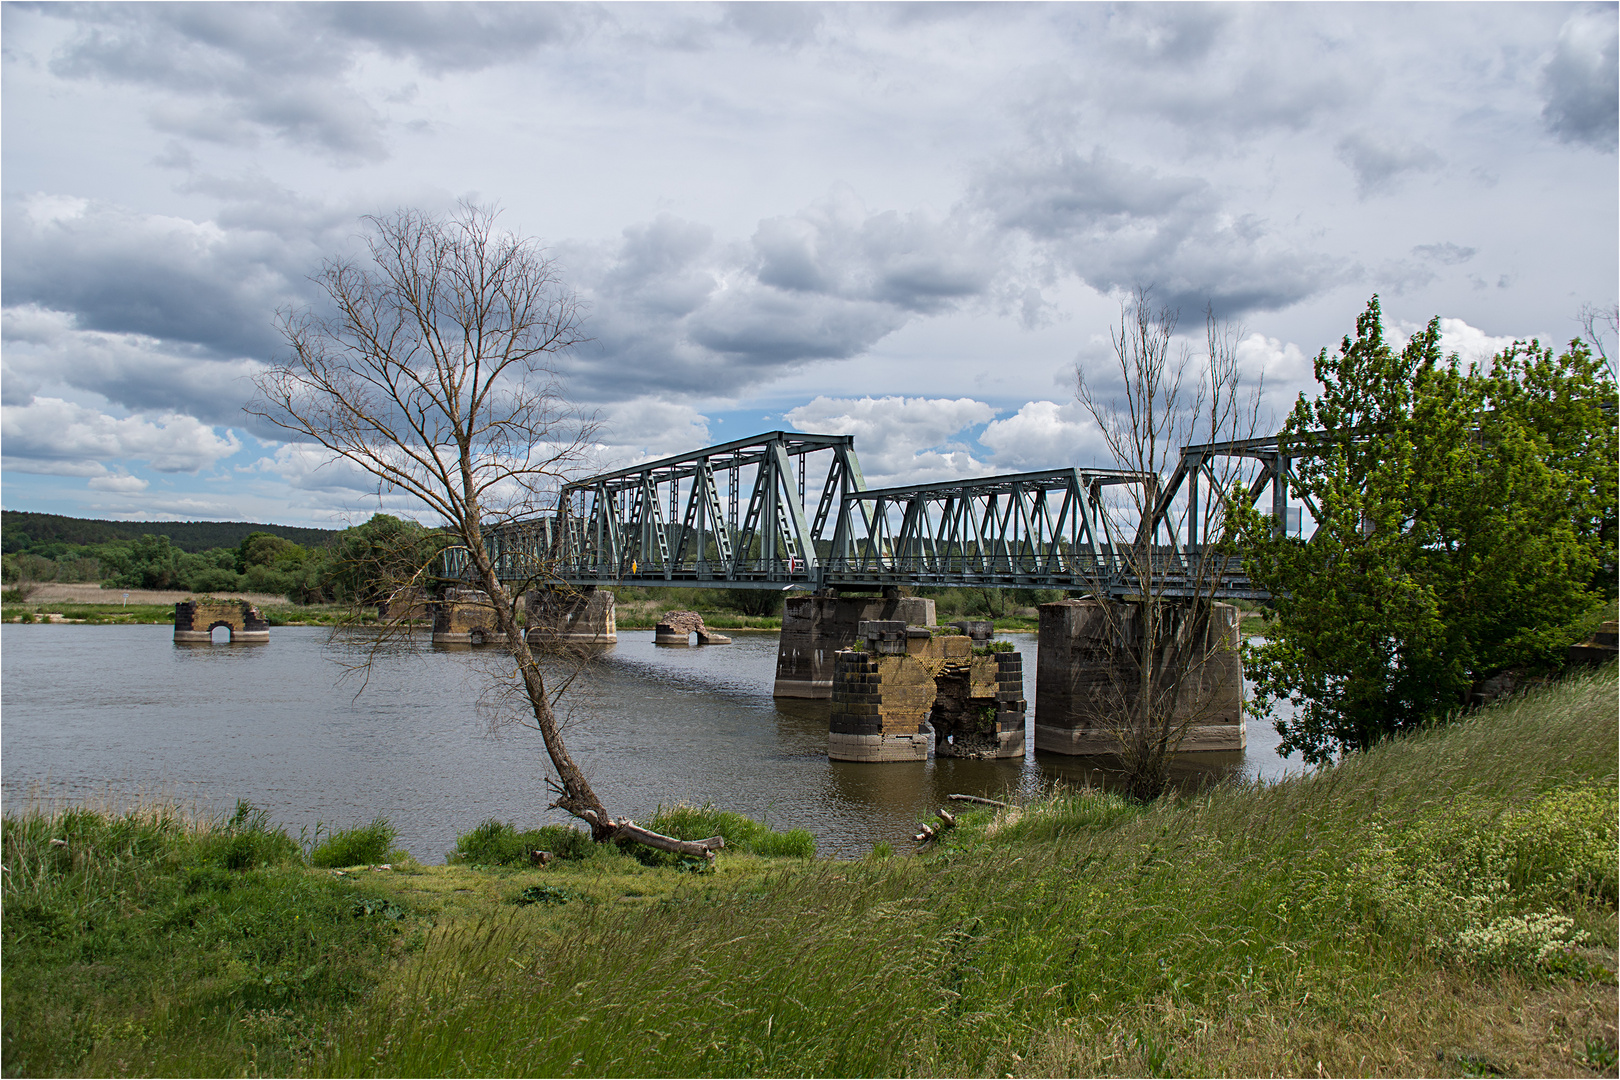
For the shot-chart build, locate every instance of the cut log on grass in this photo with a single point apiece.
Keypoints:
(976, 799)
(926, 834)
(947, 817)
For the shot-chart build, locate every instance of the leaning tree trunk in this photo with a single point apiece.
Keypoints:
(577, 796)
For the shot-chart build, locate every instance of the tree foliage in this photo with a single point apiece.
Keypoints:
(1465, 525)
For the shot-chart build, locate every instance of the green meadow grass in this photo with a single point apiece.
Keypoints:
(1440, 905)
(1383, 915)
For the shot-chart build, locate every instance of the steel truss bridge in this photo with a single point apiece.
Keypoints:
(736, 516)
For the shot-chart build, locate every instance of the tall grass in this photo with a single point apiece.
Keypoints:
(354, 847)
(157, 941)
(1082, 934)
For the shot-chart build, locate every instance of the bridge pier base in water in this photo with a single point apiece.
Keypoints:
(1082, 679)
(907, 692)
(571, 617)
(465, 617)
(196, 620)
(814, 628)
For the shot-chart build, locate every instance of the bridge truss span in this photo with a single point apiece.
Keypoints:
(789, 510)
(1026, 530)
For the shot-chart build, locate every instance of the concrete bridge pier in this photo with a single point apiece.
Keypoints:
(196, 620)
(465, 617)
(911, 691)
(815, 628)
(571, 617)
(677, 627)
(1081, 680)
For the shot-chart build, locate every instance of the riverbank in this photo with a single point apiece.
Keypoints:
(90, 604)
(1442, 905)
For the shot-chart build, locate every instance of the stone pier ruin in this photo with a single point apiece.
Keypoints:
(465, 617)
(814, 628)
(569, 617)
(677, 628)
(196, 620)
(1082, 684)
(911, 690)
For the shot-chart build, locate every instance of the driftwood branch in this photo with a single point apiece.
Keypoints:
(976, 799)
(947, 817)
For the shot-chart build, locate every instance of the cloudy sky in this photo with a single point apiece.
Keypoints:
(908, 223)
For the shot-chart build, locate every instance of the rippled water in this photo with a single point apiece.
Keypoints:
(120, 712)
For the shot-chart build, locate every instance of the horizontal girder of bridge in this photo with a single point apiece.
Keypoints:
(736, 516)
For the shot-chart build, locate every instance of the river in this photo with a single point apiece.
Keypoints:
(120, 713)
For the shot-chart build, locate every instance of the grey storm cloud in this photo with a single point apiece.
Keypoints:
(684, 312)
(1118, 225)
(1582, 80)
(193, 283)
(1446, 254)
(246, 69)
(1379, 160)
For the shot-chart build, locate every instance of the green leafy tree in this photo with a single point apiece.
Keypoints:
(371, 561)
(1462, 516)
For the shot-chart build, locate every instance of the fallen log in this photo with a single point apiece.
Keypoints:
(947, 817)
(703, 848)
(631, 831)
(976, 799)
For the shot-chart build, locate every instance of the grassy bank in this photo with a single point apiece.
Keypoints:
(1442, 905)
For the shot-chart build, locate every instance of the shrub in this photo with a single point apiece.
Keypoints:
(352, 847)
(496, 843)
(246, 841)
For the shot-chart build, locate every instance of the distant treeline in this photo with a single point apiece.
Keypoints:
(21, 531)
(363, 564)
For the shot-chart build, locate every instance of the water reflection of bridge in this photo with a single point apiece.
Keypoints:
(746, 515)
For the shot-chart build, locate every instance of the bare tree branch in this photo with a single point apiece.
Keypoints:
(1164, 647)
(430, 372)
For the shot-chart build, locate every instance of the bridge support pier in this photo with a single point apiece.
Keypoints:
(1082, 679)
(814, 628)
(465, 617)
(911, 691)
(196, 620)
(568, 617)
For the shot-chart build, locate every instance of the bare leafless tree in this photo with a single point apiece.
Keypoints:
(1170, 658)
(1598, 322)
(432, 373)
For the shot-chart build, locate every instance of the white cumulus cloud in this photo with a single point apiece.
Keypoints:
(900, 440)
(61, 438)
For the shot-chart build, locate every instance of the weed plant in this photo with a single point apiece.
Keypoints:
(1397, 912)
(741, 833)
(361, 845)
(496, 843)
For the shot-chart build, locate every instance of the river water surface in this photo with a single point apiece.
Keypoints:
(121, 712)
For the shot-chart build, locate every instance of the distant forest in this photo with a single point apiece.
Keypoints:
(190, 536)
